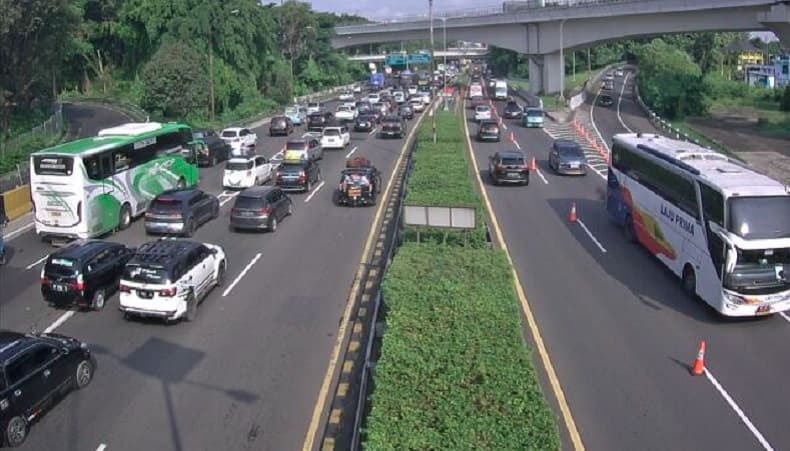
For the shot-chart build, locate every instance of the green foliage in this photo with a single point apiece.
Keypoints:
(454, 371)
(18, 154)
(441, 177)
(175, 83)
(784, 103)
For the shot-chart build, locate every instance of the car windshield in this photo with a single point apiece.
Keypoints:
(290, 111)
(534, 113)
(759, 217)
(313, 105)
(331, 132)
(239, 165)
(145, 274)
(482, 109)
(229, 133)
(198, 135)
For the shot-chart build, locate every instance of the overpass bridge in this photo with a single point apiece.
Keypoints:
(545, 32)
(468, 53)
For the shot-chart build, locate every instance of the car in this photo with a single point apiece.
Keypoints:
(392, 127)
(424, 94)
(362, 106)
(365, 122)
(417, 105)
(373, 97)
(567, 157)
(314, 107)
(335, 137)
(608, 76)
(167, 279)
(382, 107)
(346, 95)
(406, 111)
(483, 113)
(36, 371)
(360, 183)
(260, 208)
(412, 90)
(345, 113)
(605, 100)
(489, 131)
(308, 147)
(297, 114)
(280, 125)
(508, 166)
(619, 72)
(317, 121)
(607, 85)
(297, 175)
(512, 110)
(241, 140)
(246, 172)
(180, 211)
(85, 273)
(215, 149)
(399, 97)
(357, 89)
(532, 117)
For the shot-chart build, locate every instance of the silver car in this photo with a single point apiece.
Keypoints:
(567, 158)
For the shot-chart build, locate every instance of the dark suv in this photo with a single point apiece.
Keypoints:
(488, 131)
(512, 110)
(393, 126)
(317, 121)
(365, 122)
(508, 167)
(297, 175)
(36, 371)
(85, 273)
(280, 125)
(213, 150)
(261, 207)
(180, 211)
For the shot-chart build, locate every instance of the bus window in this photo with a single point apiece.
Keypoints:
(53, 165)
(93, 168)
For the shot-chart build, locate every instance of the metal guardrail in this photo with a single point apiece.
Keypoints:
(49, 129)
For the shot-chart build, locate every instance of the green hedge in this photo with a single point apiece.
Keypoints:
(441, 177)
(455, 372)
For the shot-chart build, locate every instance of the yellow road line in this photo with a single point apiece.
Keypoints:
(554, 381)
(309, 440)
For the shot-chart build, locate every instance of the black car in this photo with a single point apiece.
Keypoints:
(36, 370)
(605, 100)
(213, 150)
(85, 273)
(489, 131)
(508, 167)
(280, 125)
(260, 207)
(512, 110)
(365, 123)
(406, 111)
(297, 175)
(180, 211)
(362, 106)
(376, 114)
(360, 183)
(392, 127)
(317, 121)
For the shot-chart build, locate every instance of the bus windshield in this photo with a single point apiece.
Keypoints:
(759, 217)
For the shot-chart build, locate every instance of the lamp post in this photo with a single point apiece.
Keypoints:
(211, 63)
(433, 63)
(444, 71)
(562, 63)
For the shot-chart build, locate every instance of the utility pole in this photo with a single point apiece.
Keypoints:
(444, 72)
(430, 19)
(574, 65)
(562, 63)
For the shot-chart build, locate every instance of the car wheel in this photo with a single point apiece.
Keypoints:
(628, 230)
(221, 274)
(84, 374)
(189, 229)
(273, 224)
(15, 431)
(213, 160)
(125, 217)
(257, 181)
(99, 299)
(181, 184)
(290, 209)
(191, 307)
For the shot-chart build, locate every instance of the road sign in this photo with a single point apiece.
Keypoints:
(419, 58)
(395, 60)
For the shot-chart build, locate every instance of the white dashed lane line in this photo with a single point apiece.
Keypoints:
(315, 190)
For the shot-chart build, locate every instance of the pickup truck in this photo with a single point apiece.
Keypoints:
(345, 113)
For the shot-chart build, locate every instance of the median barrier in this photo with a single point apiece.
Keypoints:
(17, 202)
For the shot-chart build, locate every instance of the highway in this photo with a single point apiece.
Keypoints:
(620, 332)
(246, 373)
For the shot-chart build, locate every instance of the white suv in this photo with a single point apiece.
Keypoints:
(168, 278)
(241, 140)
(246, 172)
(335, 137)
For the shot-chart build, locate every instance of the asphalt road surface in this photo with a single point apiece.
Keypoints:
(86, 119)
(246, 373)
(619, 329)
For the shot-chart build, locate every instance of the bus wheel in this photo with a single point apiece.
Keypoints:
(628, 230)
(689, 281)
(181, 184)
(125, 217)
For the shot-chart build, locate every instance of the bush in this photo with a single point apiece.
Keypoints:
(454, 371)
(784, 103)
(175, 82)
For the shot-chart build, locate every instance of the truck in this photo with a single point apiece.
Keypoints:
(376, 80)
(500, 90)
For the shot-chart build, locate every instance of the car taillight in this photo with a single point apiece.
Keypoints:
(124, 288)
(45, 280)
(265, 210)
(79, 285)
(168, 292)
(302, 176)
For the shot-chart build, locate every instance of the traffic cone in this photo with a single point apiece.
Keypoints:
(699, 363)
(572, 215)
(512, 137)
(532, 165)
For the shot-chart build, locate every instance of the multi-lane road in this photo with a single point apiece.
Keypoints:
(619, 329)
(247, 372)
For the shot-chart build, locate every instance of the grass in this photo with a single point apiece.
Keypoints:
(23, 121)
(701, 139)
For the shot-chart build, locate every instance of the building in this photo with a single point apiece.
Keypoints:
(781, 65)
(744, 53)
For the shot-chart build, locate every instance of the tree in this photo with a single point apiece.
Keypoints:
(175, 84)
(784, 103)
(297, 25)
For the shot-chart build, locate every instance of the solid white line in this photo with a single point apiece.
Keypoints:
(35, 263)
(14, 233)
(352, 151)
(315, 190)
(597, 243)
(784, 315)
(101, 447)
(504, 125)
(752, 428)
(540, 174)
(619, 100)
(518, 146)
(372, 132)
(59, 322)
(243, 272)
(230, 198)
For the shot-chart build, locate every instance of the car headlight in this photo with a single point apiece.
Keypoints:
(734, 299)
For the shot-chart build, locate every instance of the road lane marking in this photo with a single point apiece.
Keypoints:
(315, 190)
(352, 151)
(518, 146)
(229, 198)
(345, 320)
(540, 174)
(242, 273)
(784, 315)
(551, 374)
(619, 100)
(592, 237)
(592, 121)
(35, 263)
(101, 447)
(15, 233)
(504, 125)
(752, 428)
(59, 322)
(372, 132)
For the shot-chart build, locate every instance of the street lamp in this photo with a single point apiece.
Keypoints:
(211, 61)
(444, 71)
(562, 63)
(433, 63)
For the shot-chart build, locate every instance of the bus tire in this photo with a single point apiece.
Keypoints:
(124, 217)
(181, 184)
(689, 281)
(628, 230)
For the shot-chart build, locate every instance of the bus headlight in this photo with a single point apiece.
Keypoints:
(733, 299)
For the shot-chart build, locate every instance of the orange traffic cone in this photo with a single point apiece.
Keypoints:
(532, 165)
(699, 363)
(512, 137)
(572, 215)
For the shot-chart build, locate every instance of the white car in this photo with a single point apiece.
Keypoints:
(241, 140)
(357, 89)
(417, 105)
(609, 76)
(482, 113)
(246, 172)
(308, 147)
(313, 107)
(425, 96)
(618, 72)
(345, 113)
(335, 138)
(346, 95)
(168, 278)
(411, 90)
(374, 97)
(399, 96)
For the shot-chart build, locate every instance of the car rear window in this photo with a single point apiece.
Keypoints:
(331, 132)
(534, 113)
(145, 274)
(295, 145)
(512, 161)
(61, 266)
(482, 108)
(489, 127)
(165, 205)
(53, 165)
(290, 167)
(228, 134)
(238, 165)
(249, 202)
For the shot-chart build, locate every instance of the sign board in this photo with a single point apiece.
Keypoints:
(419, 58)
(445, 217)
(395, 60)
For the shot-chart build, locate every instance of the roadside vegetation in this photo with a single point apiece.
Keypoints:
(455, 371)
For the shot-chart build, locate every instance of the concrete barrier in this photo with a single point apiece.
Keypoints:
(17, 202)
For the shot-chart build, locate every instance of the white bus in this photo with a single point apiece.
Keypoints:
(720, 226)
(91, 186)
(500, 90)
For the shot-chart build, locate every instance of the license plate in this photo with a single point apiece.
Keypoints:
(574, 165)
(55, 213)
(246, 213)
(513, 175)
(763, 310)
(145, 294)
(60, 288)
